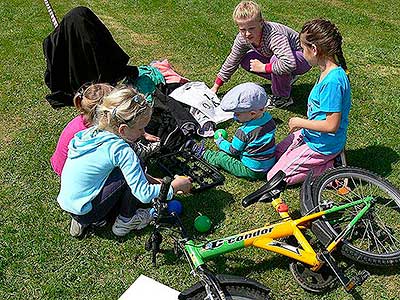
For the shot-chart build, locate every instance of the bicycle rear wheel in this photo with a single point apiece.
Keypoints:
(375, 239)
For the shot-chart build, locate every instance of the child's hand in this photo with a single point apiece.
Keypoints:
(182, 184)
(295, 124)
(151, 138)
(219, 140)
(257, 66)
(215, 88)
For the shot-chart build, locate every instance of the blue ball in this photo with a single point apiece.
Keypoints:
(175, 206)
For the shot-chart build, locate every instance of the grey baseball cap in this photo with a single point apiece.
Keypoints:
(244, 97)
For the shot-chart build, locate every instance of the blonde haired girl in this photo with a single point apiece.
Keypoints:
(102, 172)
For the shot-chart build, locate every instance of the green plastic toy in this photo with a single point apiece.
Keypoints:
(221, 132)
(202, 223)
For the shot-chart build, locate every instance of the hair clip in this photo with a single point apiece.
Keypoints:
(114, 112)
(83, 88)
(79, 94)
(137, 99)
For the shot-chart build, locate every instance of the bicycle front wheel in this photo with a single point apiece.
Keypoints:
(375, 239)
(233, 292)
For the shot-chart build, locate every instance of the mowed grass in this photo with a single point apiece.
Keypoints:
(38, 258)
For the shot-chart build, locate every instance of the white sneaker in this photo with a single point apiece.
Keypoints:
(76, 229)
(140, 220)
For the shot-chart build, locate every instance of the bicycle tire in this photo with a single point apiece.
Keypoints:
(375, 239)
(235, 292)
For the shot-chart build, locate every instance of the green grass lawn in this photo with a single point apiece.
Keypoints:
(38, 258)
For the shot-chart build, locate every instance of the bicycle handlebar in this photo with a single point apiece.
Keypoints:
(166, 183)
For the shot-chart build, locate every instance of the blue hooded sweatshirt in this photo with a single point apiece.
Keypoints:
(92, 155)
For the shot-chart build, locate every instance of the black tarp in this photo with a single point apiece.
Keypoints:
(80, 50)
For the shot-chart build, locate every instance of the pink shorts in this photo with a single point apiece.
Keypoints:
(296, 159)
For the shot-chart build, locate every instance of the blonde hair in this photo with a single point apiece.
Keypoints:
(88, 97)
(124, 105)
(247, 10)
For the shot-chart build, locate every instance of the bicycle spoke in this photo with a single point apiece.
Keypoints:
(355, 187)
(352, 231)
(377, 241)
(383, 227)
(336, 194)
(362, 238)
(385, 205)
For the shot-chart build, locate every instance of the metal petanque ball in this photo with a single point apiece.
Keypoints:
(221, 132)
(202, 223)
(175, 206)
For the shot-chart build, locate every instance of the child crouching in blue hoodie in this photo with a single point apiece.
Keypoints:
(103, 173)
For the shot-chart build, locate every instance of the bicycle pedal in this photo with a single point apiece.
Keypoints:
(357, 280)
(361, 277)
(327, 205)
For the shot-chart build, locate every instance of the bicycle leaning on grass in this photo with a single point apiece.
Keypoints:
(349, 210)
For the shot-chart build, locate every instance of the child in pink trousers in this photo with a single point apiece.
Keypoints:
(313, 143)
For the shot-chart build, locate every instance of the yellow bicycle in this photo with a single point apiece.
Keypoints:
(348, 209)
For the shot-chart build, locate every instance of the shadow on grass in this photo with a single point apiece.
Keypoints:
(378, 159)
(300, 93)
(244, 266)
(209, 202)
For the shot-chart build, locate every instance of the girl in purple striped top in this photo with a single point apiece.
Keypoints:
(271, 50)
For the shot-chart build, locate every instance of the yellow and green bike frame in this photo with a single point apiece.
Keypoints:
(267, 237)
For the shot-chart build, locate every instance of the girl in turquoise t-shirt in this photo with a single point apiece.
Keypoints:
(313, 143)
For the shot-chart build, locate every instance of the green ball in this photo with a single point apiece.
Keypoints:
(202, 223)
(221, 132)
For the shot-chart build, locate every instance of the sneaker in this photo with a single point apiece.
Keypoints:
(77, 229)
(340, 160)
(140, 220)
(99, 224)
(278, 102)
(294, 79)
(194, 148)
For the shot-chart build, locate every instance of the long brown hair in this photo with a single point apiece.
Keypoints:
(326, 37)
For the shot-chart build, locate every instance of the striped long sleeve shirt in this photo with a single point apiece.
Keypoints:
(254, 144)
(277, 39)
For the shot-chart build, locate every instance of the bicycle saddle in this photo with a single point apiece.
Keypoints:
(268, 191)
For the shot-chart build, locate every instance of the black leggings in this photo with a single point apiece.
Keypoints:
(115, 196)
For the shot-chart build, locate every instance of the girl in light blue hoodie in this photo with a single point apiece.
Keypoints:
(103, 173)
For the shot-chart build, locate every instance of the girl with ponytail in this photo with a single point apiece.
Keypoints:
(313, 143)
(85, 101)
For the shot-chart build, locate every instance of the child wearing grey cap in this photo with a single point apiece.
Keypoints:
(251, 153)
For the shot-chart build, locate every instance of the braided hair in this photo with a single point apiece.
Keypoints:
(88, 97)
(326, 37)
